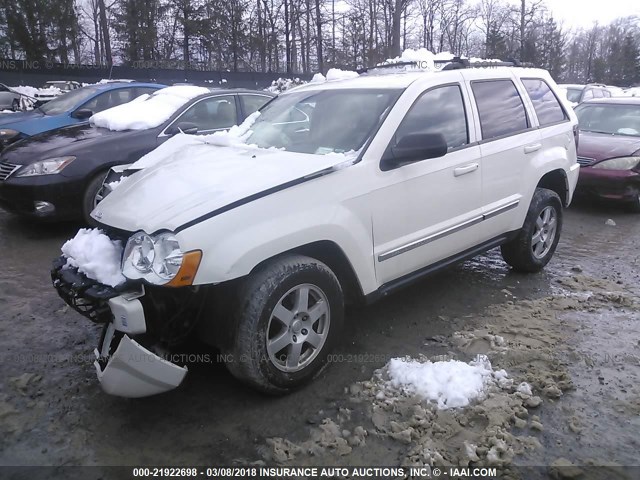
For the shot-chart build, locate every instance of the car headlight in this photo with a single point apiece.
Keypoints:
(622, 163)
(8, 133)
(49, 166)
(159, 260)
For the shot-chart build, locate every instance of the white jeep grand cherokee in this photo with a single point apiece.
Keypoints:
(342, 191)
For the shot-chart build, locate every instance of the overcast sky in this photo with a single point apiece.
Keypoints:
(583, 13)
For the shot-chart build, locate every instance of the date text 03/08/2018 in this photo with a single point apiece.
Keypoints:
(314, 472)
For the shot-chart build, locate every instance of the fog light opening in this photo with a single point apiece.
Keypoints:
(43, 208)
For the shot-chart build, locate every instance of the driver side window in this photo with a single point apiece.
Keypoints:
(438, 111)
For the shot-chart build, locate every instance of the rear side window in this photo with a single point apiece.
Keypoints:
(545, 103)
(253, 103)
(500, 107)
(440, 110)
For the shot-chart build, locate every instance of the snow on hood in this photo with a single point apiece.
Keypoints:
(172, 147)
(95, 255)
(447, 384)
(147, 111)
(200, 178)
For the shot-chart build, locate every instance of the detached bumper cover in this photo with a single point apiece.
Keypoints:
(125, 368)
(132, 371)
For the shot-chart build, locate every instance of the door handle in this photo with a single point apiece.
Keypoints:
(534, 147)
(472, 167)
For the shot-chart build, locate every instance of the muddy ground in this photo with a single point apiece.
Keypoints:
(572, 333)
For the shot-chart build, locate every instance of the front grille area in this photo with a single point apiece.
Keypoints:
(585, 161)
(7, 169)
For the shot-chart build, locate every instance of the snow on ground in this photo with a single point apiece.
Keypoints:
(95, 255)
(151, 112)
(448, 384)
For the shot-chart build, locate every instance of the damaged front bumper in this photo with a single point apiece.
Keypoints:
(125, 367)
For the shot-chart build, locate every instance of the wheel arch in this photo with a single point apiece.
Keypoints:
(329, 253)
(557, 181)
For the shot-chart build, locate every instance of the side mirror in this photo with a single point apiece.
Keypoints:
(414, 147)
(184, 127)
(82, 114)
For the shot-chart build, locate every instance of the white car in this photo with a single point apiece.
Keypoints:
(256, 246)
(9, 98)
(55, 88)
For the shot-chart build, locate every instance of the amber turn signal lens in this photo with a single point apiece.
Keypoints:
(188, 270)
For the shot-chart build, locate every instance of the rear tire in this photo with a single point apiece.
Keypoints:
(288, 317)
(89, 200)
(538, 238)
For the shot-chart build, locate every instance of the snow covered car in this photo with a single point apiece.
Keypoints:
(53, 89)
(58, 175)
(71, 109)
(255, 239)
(609, 150)
(577, 94)
(9, 99)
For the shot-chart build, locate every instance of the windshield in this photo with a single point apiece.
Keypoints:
(610, 119)
(68, 101)
(573, 94)
(321, 122)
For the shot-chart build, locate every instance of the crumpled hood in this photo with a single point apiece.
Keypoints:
(200, 179)
(601, 146)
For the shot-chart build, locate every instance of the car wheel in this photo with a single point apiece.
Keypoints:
(91, 197)
(15, 105)
(538, 238)
(288, 317)
(634, 206)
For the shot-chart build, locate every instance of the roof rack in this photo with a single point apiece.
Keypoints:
(455, 63)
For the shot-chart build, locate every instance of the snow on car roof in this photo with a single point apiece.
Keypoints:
(147, 111)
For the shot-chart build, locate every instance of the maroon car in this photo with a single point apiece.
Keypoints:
(609, 149)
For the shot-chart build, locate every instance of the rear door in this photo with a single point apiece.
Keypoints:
(509, 141)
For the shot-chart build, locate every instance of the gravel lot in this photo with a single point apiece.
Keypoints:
(571, 332)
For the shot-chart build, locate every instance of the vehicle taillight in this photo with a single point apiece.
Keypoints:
(576, 136)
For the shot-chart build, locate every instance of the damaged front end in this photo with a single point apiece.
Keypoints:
(139, 323)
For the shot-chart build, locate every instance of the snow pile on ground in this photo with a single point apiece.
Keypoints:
(95, 255)
(334, 74)
(151, 112)
(283, 84)
(448, 384)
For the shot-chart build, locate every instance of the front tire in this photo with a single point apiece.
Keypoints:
(538, 238)
(15, 106)
(90, 199)
(288, 318)
(634, 206)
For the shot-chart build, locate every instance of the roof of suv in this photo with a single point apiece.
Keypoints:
(401, 79)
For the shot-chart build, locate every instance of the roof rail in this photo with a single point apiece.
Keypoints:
(454, 63)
